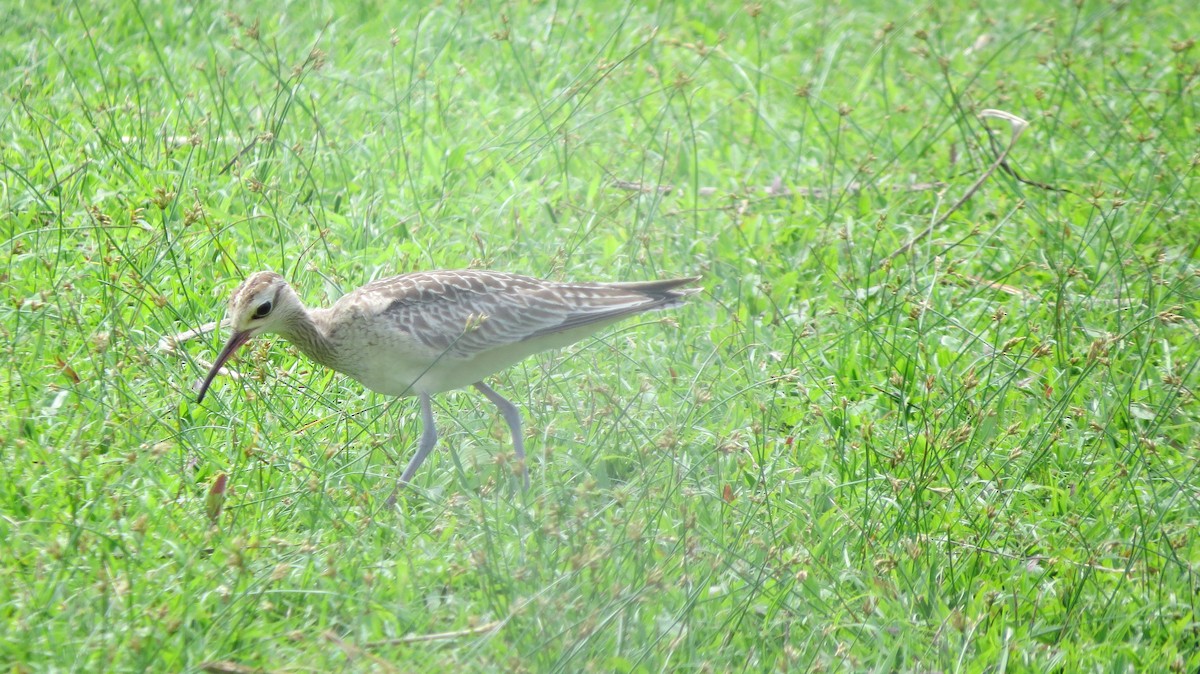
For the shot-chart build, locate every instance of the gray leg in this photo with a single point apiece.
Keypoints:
(513, 416)
(428, 440)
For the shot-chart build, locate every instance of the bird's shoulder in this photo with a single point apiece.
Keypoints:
(423, 288)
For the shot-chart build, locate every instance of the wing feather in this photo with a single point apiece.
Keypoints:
(466, 313)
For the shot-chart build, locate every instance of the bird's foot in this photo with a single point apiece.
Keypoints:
(391, 499)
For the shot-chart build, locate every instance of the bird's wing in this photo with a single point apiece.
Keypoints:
(465, 313)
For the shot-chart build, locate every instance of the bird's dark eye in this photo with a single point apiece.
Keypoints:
(262, 310)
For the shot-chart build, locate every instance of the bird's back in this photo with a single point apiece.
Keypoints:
(439, 330)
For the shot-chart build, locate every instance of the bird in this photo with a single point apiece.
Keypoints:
(427, 332)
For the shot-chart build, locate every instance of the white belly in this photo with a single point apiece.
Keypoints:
(394, 364)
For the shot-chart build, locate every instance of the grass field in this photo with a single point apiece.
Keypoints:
(898, 431)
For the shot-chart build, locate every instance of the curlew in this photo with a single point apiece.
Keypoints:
(428, 332)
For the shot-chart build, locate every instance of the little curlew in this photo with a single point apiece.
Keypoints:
(427, 332)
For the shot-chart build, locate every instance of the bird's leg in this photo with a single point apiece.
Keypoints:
(513, 416)
(428, 440)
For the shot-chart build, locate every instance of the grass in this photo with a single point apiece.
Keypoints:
(977, 456)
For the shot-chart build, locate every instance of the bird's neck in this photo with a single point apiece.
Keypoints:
(308, 336)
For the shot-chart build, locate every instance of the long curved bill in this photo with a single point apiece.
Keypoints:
(236, 340)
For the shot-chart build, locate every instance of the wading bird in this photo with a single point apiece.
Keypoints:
(427, 332)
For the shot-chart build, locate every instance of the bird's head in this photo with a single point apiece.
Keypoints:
(263, 303)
